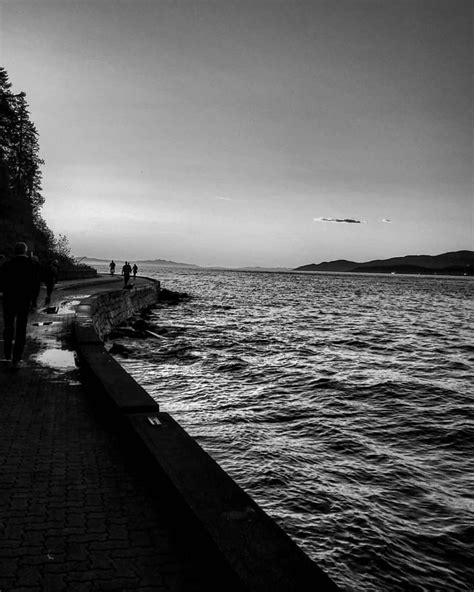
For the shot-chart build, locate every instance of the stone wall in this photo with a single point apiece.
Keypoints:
(106, 310)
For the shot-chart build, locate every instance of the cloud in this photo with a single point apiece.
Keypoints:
(224, 198)
(386, 220)
(340, 220)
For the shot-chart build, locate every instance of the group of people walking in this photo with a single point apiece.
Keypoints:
(20, 282)
(127, 271)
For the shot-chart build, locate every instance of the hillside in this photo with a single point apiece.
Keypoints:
(453, 263)
(338, 265)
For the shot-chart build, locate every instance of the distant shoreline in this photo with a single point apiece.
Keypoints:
(453, 263)
(458, 263)
(289, 271)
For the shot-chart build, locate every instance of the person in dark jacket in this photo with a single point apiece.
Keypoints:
(18, 281)
(126, 271)
(36, 290)
(50, 277)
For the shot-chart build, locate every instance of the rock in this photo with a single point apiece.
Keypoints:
(140, 325)
(171, 297)
(118, 348)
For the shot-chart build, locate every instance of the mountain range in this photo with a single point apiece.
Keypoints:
(452, 263)
(162, 262)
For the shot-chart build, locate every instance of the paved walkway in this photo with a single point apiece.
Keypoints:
(73, 516)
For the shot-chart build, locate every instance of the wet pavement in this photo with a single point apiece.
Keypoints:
(73, 514)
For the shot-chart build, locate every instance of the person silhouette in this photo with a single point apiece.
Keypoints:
(112, 267)
(126, 270)
(36, 290)
(18, 279)
(50, 277)
(134, 270)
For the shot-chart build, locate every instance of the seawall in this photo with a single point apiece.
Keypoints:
(106, 310)
(209, 508)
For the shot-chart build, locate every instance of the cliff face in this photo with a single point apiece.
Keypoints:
(456, 262)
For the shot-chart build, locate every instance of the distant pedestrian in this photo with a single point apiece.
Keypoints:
(126, 271)
(134, 269)
(50, 277)
(112, 267)
(18, 278)
(37, 286)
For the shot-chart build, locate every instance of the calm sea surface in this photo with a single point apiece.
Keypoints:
(342, 404)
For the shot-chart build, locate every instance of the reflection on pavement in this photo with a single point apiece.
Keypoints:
(68, 304)
(58, 359)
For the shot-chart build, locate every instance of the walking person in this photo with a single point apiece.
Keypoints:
(126, 271)
(134, 270)
(18, 278)
(37, 286)
(112, 267)
(50, 277)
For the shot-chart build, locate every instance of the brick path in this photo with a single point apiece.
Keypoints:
(73, 516)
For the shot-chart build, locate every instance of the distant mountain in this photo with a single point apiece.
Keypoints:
(161, 262)
(338, 265)
(93, 259)
(275, 269)
(452, 263)
(164, 262)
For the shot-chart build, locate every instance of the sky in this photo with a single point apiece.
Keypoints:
(261, 133)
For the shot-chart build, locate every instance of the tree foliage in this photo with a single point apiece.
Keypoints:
(20, 177)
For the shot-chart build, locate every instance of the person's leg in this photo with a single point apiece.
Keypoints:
(20, 334)
(8, 329)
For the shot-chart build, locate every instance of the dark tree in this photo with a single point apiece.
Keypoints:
(20, 175)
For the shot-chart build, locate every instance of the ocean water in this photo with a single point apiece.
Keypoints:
(341, 403)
